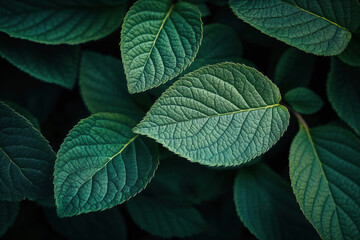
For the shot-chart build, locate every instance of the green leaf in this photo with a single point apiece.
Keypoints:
(101, 163)
(343, 88)
(108, 224)
(25, 113)
(322, 27)
(57, 22)
(26, 159)
(351, 55)
(294, 69)
(8, 213)
(103, 86)
(267, 206)
(304, 100)
(220, 115)
(204, 184)
(51, 64)
(158, 41)
(165, 216)
(324, 172)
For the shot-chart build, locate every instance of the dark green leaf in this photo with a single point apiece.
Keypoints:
(351, 55)
(267, 206)
(343, 90)
(8, 213)
(294, 69)
(58, 21)
(304, 100)
(52, 64)
(103, 86)
(26, 159)
(324, 172)
(101, 163)
(25, 113)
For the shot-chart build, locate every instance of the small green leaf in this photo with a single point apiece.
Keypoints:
(304, 100)
(343, 88)
(108, 224)
(165, 216)
(351, 55)
(324, 171)
(57, 22)
(101, 163)
(220, 115)
(26, 159)
(103, 86)
(8, 213)
(322, 27)
(51, 64)
(25, 113)
(158, 41)
(267, 206)
(294, 69)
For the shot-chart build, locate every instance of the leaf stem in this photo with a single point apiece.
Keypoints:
(298, 116)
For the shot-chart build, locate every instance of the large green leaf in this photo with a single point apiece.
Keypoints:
(220, 115)
(320, 27)
(351, 55)
(58, 21)
(26, 159)
(165, 215)
(103, 86)
(324, 172)
(52, 64)
(108, 224)
(267, 206)
(158, 41)
(8, 213)
(343, 88)
(294, 69)
(101, 163)
(304, 100)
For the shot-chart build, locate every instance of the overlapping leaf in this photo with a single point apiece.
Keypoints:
(351, 55)
(26, 159)
(294, 69)
(304, 100)
(267, 206)
(101, 163)
(165, 215)
(52, 64)
(324, 172)
(224, 114)
(158, 41)
(103, 86)
(58, 21)
(8, 213)
(320, 27)
(343, 88)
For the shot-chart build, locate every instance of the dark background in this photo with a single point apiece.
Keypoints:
(59, 109)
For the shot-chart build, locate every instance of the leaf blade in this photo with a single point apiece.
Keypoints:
(118, 165)
(149, 50)
(215, 100)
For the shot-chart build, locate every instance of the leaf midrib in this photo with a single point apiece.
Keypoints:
(316, 15)
(157, 36)
(224, 114)
(307, 130)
